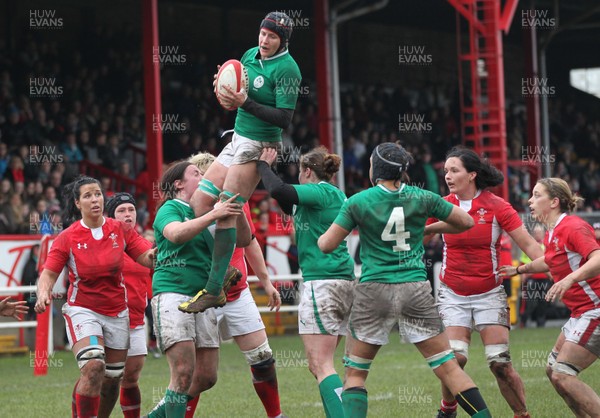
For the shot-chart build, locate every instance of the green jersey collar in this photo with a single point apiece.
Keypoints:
(385, 189)
(183, 202)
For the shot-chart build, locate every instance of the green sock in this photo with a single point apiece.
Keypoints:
(159, 410)
(175, 404)
(355, 402)
(224, 246)
(327, 414)
(330, 389)
(485, 413)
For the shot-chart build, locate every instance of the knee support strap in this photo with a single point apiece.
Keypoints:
(460, 347)
(552, 359)
(91, 352)
(438, 359)
(259, 354)
(358, 363)
(498, 353)
(114, 370)
(206, 186)
(566, 368)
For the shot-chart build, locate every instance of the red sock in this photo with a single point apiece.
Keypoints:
(191, 407)
(449, 407)
(87, 406)
(264, 379)
(131, 401)
(73, 401)
(523, 416)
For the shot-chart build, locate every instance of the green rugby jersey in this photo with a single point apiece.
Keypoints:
(274, 82)
(180, 268)
(390, 226)
(318, 205)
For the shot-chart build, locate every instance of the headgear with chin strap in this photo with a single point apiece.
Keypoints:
(117, 200)
(389, 161)
(281, 24)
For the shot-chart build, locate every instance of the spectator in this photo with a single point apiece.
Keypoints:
(50, 196)
(56, 180)
(112, 153)
(13, 216)
(13, 130)
(4, 159)
(5, 190)
(15, 171)
(71, 150)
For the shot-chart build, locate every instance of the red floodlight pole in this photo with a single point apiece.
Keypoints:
(152, 98)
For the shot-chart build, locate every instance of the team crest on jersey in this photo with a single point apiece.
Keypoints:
(555, 242)
(481, 212)
(114, 236)
(259, 82)
(80, 246)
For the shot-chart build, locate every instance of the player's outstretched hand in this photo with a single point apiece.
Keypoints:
(14, 309)
(227, 208)
(269, 155)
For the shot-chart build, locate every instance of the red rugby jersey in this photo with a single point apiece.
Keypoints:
(568, 246)
(471, 258)
(137, 278)
(95, 261)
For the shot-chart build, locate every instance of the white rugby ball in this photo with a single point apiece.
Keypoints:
(233, 75)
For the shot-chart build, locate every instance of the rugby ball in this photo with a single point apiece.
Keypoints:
(233, 75)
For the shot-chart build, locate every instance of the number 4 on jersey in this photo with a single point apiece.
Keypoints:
(396, 221)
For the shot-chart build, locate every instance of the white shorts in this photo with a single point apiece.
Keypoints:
(173, 326)
(242, 150)
(83, 322)
(488, 308)
(379, 307)
(325, 307)
(585, 331)
(137, 340)
(239, 317)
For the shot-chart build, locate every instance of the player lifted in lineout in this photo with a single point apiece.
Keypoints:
(262, 113)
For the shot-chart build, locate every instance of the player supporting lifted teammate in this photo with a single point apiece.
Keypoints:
(471, 293)
(184, 242)
(393, 286)
(572, 257)
(328, 279)
(262, 113)
(240, 317)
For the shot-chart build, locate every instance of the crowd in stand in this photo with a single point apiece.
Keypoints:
(95, 110)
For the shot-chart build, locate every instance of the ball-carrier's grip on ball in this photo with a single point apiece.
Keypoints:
(233, 75)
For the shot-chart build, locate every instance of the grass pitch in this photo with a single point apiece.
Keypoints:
(400, 383)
